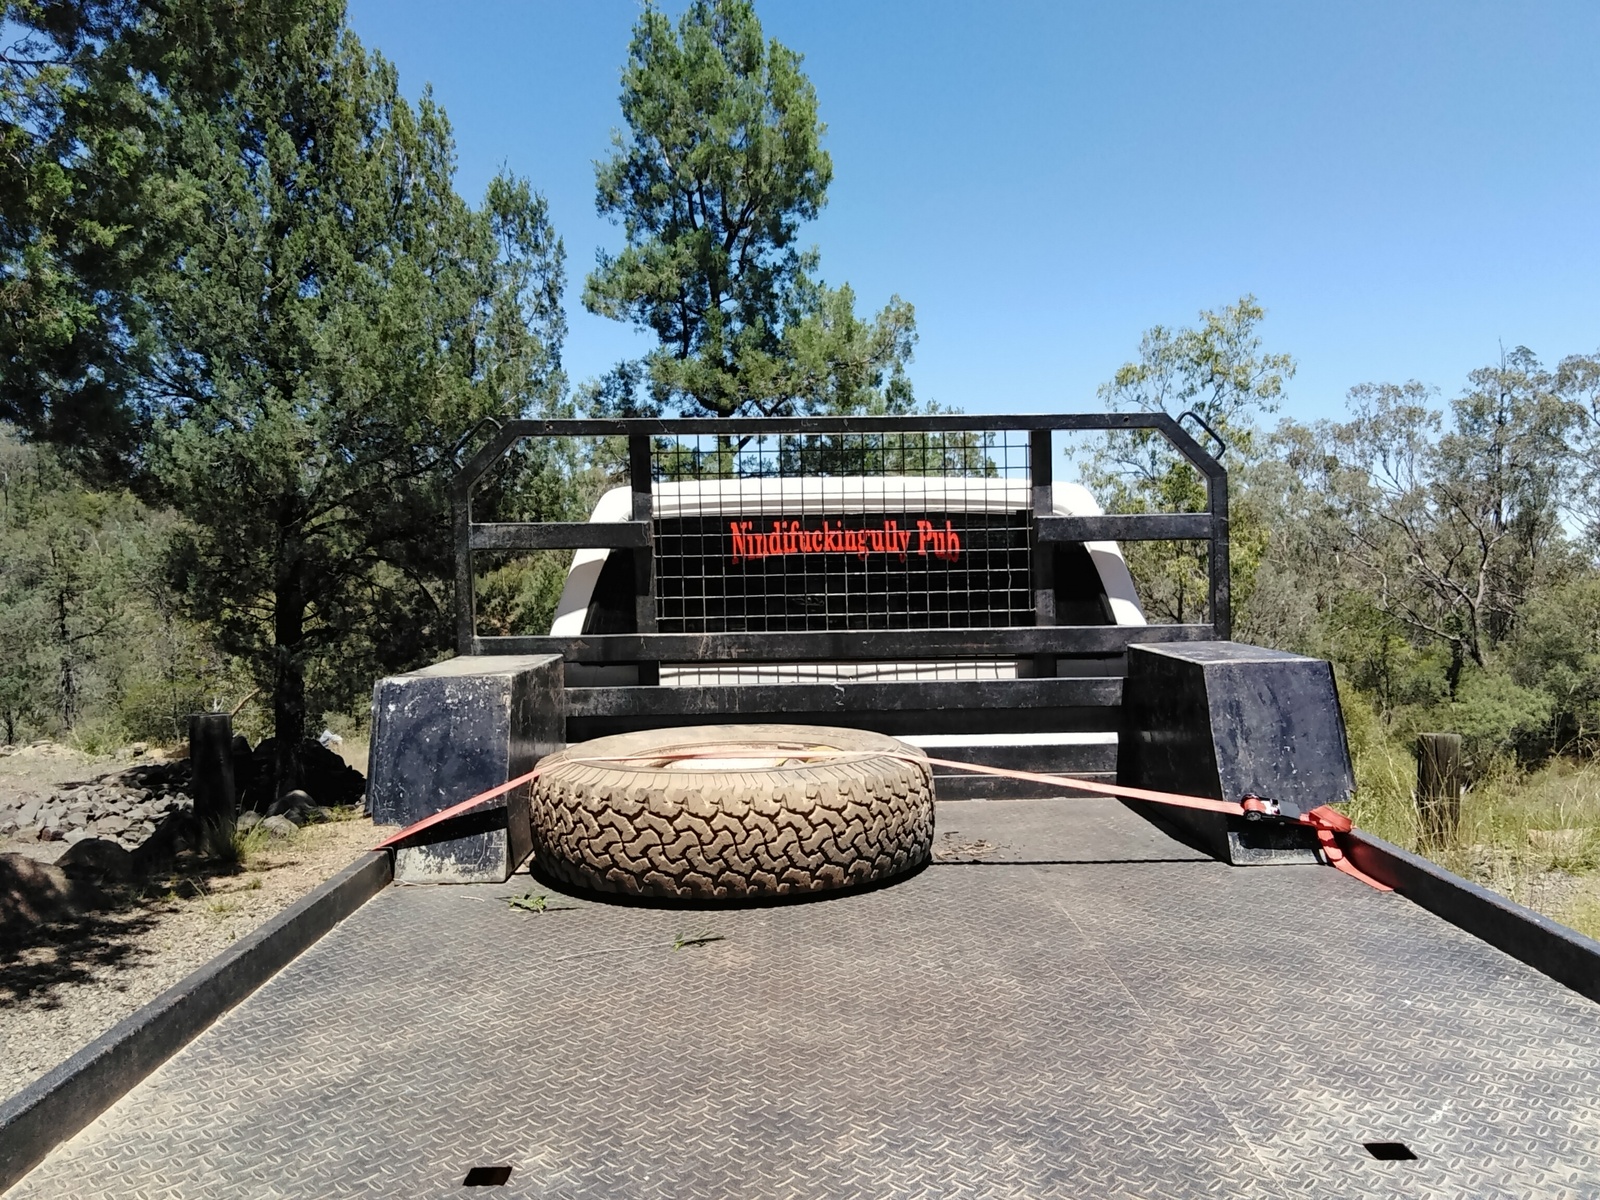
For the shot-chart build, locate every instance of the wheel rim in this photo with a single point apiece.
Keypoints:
(737, 756)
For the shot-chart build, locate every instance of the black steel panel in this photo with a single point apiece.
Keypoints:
(1041, 468)
(1546, 945)
(1224, 720)
(882, 645)
(827, 698)
(752, 427)
(1083, 761)
(448, 731)
(644, 581)
(829, 446)
(1125, 527)
(560, 535)
(895, 722)
(1070, 759)
(987, 787)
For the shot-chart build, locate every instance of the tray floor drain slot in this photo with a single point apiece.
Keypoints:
(1390, 1151)
(486, 1177)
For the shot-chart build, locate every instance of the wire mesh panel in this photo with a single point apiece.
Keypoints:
(750, 527)
(865, 531)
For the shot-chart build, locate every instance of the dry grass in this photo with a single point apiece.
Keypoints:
(1583, 914)
(1534, 837)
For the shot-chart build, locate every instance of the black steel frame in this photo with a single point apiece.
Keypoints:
(1072, 676)
(1059, 703)
(1042, 642)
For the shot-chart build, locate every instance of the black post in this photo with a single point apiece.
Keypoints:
(216, 805)
(1041, 468)
(640, 465)
(1438, 788)
(466, 607)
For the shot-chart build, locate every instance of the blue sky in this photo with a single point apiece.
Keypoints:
(1404, 186)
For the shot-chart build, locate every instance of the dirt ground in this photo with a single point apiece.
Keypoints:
(64, 984)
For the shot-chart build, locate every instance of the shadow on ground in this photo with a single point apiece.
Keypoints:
(40, 962)
(95, 931)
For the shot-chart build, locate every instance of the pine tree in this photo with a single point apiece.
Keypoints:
(333, 322)
(721, 164)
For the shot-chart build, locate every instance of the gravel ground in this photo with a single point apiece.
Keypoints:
(64, 984)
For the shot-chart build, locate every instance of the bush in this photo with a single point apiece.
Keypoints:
(1496, 717)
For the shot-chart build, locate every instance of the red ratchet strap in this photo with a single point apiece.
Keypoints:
(1327, 822)
(455, 810)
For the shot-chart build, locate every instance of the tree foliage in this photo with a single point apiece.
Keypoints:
(1218, 371)
(1433, 552)
(247, 327)
(236, 278)
(1443, 555)
(333, 322)
(91, 637)
(87, 89)
(720, 165)
(235, 274)
(1455, 527)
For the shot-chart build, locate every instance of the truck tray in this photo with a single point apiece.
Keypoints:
(1064, 1003)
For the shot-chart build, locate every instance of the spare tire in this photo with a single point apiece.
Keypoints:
(752, 817)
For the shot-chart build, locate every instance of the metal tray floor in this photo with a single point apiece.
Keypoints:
(1065, 1004)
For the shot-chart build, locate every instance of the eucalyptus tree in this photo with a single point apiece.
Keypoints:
(1218, 370)
(1455, 525)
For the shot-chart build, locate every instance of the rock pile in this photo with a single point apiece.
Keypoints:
(45, 748)
(126, 806)
(123, 807)
(328, 780)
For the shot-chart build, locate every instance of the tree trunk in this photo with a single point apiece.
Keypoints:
(69, 674)
(289, 679)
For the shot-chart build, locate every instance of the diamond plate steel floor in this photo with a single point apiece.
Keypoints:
(1088, 1009)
